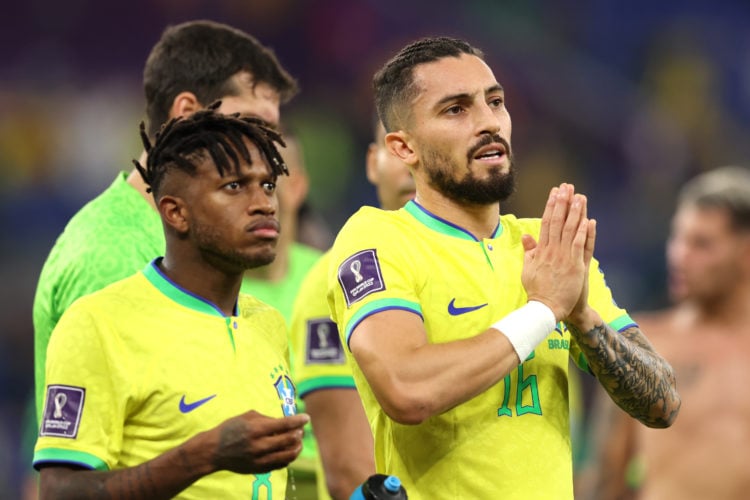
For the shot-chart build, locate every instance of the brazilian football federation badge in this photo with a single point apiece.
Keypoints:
(285, 390)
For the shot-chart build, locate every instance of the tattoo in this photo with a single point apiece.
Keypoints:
(634, 375)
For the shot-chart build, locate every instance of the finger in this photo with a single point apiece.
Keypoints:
(276, 460)
(559, 213)
(546, 216)
(590, 242)
(528, 242)
(573, 221)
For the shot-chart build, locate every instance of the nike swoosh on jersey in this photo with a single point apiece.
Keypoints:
(455, 311)
(188, 407)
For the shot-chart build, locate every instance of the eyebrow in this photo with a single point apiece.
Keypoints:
(466, 96)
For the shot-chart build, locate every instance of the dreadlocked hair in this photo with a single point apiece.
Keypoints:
(182, 141)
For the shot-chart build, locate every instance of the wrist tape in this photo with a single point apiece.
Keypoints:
(527, 327)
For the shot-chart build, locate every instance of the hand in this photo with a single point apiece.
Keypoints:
(255, 443)
(555, 268)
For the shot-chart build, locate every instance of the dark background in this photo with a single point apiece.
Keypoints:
(625, 99)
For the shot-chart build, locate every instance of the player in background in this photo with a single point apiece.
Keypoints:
(705, 334)
(324, 380)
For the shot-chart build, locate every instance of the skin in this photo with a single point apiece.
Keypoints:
(337, 416)
(707, 338)
(459, 103)
(215, 228)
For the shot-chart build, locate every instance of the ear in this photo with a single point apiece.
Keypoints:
(174, 213)
(184, 104)
(398, 144)
(293, 191)
(372, 163)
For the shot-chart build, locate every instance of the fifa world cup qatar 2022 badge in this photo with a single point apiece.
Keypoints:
(286, 390)
(360, 275)
(323, 344)
(62, 411)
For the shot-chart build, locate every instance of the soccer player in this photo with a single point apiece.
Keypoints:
(118, 232)
(706, 336)
(323, 378)
(149, 380)
(460, 321)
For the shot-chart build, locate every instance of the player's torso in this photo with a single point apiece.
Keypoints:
(463, 286)
(711, 434)
(183, 372)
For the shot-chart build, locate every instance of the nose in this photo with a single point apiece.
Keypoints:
(261, 203)
(489, 121)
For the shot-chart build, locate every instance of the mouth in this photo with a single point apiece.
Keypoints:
(266, 229)
(491, 153)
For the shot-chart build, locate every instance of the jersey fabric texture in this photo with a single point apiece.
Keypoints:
(512, 440)
(319, 359)
(110, 238)
(142, 365)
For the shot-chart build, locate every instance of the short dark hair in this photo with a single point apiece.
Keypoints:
(393, 84)
(201, 57)
(182, 142)
(727, 188)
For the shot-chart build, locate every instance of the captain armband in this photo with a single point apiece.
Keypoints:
(527, 327)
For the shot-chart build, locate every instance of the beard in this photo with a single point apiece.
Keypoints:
(228, 258)
(496, 187)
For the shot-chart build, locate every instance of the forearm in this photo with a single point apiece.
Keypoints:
(637, 378)
(414, 379)
(161, 478)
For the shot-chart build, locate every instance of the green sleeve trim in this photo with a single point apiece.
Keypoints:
(377, 306)
(621, 323)
(59, 455)
(329, 382)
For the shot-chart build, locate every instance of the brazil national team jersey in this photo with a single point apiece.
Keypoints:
(319, 359)
(141, 366)
(109, 239)
(511, 441)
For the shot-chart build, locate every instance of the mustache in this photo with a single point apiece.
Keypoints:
(486, 140)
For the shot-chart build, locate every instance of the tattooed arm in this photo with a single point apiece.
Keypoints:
(634, 375)
(248, 443)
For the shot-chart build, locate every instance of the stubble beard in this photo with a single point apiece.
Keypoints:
(496, 187)
(227, 258)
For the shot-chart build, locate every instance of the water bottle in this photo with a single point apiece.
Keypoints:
(380, 487)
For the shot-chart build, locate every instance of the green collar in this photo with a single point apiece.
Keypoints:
(440, 225)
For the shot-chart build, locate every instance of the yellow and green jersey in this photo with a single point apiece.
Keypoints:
(139, 367)
(512, 440)
(318, 357)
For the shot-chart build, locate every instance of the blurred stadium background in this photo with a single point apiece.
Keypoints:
(625, 99)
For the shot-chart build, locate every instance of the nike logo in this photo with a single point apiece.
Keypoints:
(455, 311)
(188, 407)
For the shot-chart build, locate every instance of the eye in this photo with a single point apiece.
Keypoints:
(269, 187)
(454, 110)
(233, 186)
(496, 102)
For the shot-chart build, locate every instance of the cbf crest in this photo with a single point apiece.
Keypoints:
(286, 391)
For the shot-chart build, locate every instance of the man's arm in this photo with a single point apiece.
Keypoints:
(248, 443)
(612, 440)
(344, 439)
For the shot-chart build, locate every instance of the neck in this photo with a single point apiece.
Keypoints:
(479, 220)
(204, 280)
(135, 180)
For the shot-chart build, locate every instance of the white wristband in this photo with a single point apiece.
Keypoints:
(527, 326)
